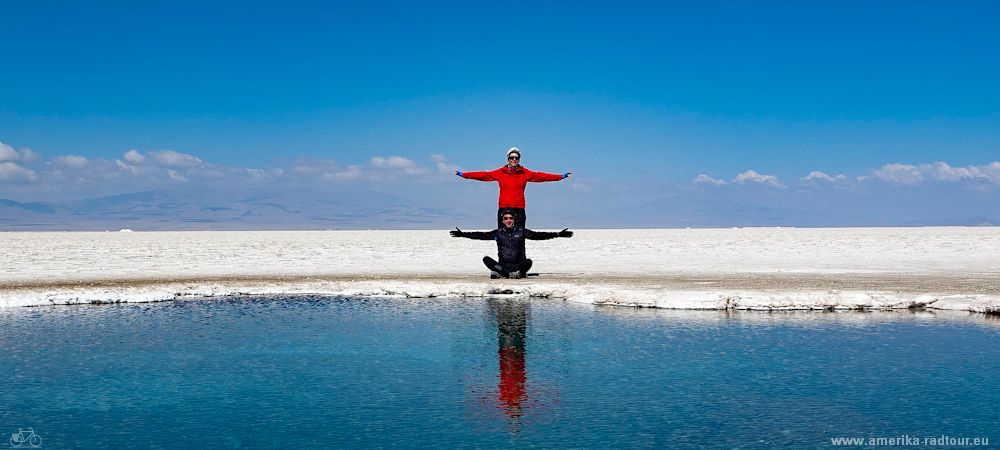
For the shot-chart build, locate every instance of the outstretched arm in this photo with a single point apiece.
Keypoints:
(481, 176)
(479, 235)
(539, 177)
(543, 235)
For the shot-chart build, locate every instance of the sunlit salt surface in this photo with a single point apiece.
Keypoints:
(941, 268)
(325, 372)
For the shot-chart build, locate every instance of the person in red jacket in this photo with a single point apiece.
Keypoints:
(512, 178)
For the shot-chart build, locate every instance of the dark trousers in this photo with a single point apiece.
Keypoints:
(506, 268)
(519, 217)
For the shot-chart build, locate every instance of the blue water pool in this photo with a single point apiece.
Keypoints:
(300, 372)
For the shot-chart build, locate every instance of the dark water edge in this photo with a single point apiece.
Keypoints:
(320, 372)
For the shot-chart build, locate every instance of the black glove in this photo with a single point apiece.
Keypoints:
(458, 233)
(565, 233)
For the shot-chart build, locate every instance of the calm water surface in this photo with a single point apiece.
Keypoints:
(354, 372)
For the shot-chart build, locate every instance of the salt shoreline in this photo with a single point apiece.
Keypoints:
(687, 293)
(942, 268)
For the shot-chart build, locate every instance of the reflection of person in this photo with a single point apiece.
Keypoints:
(513, 178)
(512, 326)
(510, 246)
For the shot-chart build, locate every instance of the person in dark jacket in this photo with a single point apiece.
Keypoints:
(513, 178)
(510, 246)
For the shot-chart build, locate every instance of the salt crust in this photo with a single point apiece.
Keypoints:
(943, 268)
(591, 294)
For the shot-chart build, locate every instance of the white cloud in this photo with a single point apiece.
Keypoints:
(944, 172)
(820, 176)
(170, 158)
(442, 164)
(393, 168)
(13, 172)
(176, 176)
(751, 176)
(993, 171)
(377, 168)
(326, 169)
(255, 174)
(218, 174)
(308, 166)
(135, 169)
(133, 157)
(940, 171)
(397, 164)
(126, 167)
(705, 179)
(7, 153)
(899, 173)
(70, 161)
(162, 158)
(352, 172)
(29, 156)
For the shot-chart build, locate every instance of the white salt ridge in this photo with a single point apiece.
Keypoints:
(947, 268)
(592, 294)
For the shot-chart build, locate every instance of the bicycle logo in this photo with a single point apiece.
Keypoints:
(25, 439)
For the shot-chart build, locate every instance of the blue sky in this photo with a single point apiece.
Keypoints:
(709, 101)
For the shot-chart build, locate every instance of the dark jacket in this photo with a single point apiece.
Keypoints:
(510, 241)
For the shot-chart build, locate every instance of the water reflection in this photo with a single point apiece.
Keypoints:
(527, 392)
(516, 394)
(353, 372)
(512, 327)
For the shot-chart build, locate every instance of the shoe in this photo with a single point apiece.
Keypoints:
(516, 274)
(494, 274)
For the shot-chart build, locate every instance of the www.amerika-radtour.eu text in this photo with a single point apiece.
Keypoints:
(907, 440)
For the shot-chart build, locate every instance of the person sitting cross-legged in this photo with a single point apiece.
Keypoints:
(510, 239)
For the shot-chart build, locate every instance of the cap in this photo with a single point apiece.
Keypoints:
(514, 150)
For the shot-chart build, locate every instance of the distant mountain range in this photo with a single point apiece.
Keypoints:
(162, 210)
(364, 208)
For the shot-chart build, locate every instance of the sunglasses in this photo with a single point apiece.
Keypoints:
(508, 218)
(515, 158)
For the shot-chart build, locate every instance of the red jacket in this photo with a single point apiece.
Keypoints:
(512, 183)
